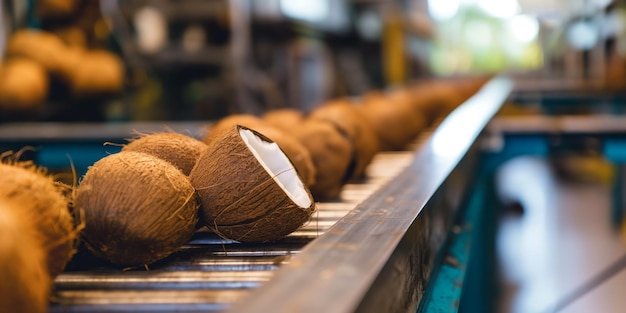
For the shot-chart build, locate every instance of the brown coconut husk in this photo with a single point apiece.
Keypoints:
(332, 155)
(31, 189)
(23, 85)
(137, 209)
(444, 94)
(295, 151)
(247, 120)
(180, 150)
(394, 119)
(240, 199)
(346, 116)
(25, 284)
(284, 119)
(72, 36)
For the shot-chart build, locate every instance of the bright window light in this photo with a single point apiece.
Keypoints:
(524, 28)
(500, 8)
(479, 34)
(443, 9)
(306, 10)
(582, 35)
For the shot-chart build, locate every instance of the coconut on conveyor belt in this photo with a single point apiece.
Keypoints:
(394, 118)
(331, 151)
(37, 235)
(26, 282)
(295, 151)
(247, 120)
(180, 150)
(284, 119)
(136, 208)
(248, 188)
(347, 117)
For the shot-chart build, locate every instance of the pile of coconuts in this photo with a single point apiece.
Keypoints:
(65, 60)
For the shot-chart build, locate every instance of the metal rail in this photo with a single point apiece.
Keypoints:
(340, 271)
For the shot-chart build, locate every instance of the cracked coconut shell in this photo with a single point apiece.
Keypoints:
(249, 189)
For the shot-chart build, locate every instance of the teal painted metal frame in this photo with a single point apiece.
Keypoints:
(469, 254)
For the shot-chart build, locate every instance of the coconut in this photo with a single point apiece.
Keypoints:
(72, 36)
(56, 9)
(23, 85)
(331, 152)
(426, 102)
(180, 150)
(99, 73)
(44, 48)
(246, 120)
(394, 119)
(295, 151)
(249, 189)
(447, 95)
(33, 191)
(346, 116)
(137, 208)
(25, 283)
(284, 119)
(298, 155)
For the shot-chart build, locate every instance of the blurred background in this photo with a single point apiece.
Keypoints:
(201, 60)
(204, 59)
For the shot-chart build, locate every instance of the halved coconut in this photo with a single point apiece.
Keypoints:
(180, 150)
(137, 208)
(249, 189)
(347, 116)
(295, 151)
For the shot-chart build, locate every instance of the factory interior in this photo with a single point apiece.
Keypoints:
(313, 156)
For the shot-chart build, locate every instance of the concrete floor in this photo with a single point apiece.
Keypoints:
(562, 239)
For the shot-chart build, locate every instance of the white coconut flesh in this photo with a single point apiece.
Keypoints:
(276, 163)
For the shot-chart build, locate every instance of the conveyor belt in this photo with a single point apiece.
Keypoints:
(209, 273)
(372, 251)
